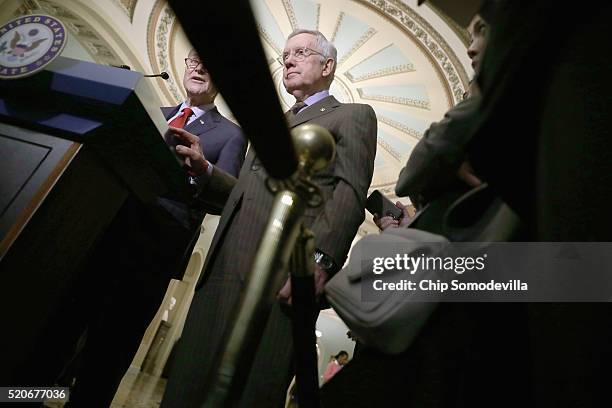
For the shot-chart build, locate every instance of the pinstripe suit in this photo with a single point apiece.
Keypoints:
(344, 184)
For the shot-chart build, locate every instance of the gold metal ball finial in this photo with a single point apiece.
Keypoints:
(315, 147)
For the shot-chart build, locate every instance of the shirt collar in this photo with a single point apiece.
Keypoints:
(198, 110)
(314, 98)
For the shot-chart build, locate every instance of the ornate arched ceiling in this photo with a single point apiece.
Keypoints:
(388, 57)
(407, 62)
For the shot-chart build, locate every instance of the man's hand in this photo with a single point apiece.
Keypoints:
(385, 222)
(195, 161)
(320, 277)
(390, 222)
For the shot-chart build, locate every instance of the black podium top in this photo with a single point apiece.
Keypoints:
(113, 111)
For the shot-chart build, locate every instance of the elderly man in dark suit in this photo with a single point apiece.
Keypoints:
(309, 62)
(147, 245)
(221, 140)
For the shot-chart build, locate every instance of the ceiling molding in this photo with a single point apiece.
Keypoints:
(95, 43)
(460, 31)
(128, 7)
(159, 30)
(450, 69)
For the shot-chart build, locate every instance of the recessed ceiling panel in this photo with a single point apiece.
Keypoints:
(388, 61)
(268, 26)
(303, 13)
(350, 34)
(413, 126)
(412, 95)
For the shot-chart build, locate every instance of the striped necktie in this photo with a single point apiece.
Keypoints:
(295, 109)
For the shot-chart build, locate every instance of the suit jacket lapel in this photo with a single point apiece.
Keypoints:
(169, 111)
(204, 123)
(201, 124)
(323, 107)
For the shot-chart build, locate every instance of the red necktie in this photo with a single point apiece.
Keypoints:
(180, 120)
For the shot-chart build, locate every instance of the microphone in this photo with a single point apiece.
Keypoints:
(122, 67)
(163, 75)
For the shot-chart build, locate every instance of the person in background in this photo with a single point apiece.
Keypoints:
(337, 362)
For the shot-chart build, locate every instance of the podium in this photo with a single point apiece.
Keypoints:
(76, 140)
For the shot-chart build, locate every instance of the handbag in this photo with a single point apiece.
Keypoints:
(390, 320)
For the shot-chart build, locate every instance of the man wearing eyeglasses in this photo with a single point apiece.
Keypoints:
(221, 140)
(309, 62)
(150, 245)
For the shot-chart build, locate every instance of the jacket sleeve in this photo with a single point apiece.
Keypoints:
(336, 225)
(232, 154)
(433, 164)
(213, 190)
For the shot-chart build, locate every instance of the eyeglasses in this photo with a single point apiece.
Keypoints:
(299, 54)
(192, 63)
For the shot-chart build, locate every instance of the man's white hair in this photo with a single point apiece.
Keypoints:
(323, 45)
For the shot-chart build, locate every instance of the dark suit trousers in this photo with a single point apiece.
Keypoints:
(210, 313)
(120, 294)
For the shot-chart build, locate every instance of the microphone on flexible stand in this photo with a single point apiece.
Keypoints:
(163, 75)
(122, 67)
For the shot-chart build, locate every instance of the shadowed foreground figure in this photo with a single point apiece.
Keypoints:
(146, 246)
(558, 182)
(466, 354)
